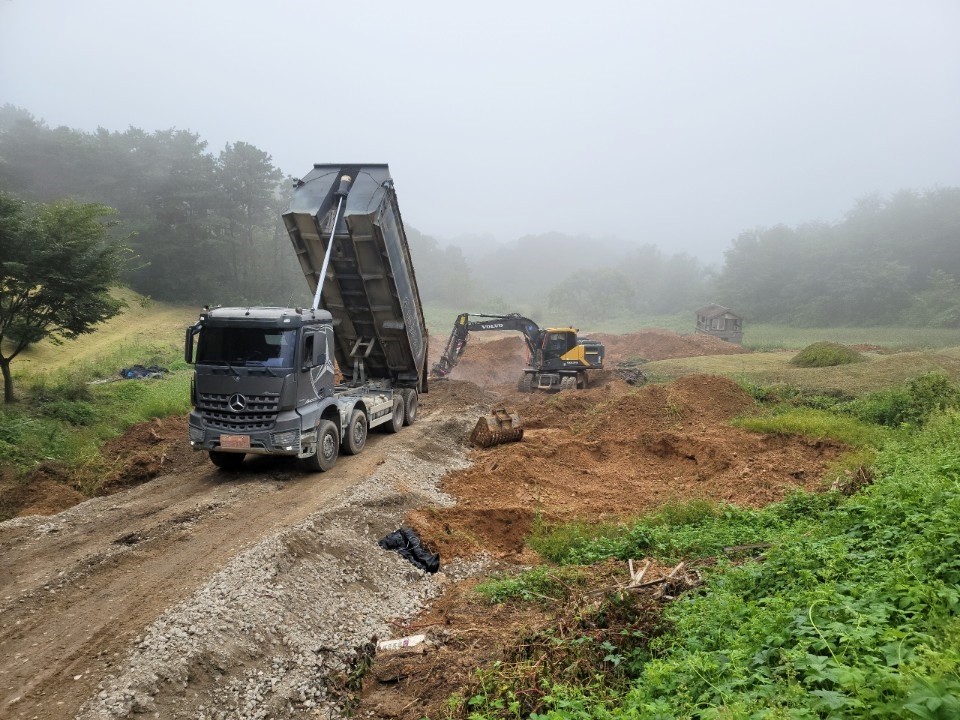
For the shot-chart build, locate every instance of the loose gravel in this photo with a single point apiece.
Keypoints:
(267, 634)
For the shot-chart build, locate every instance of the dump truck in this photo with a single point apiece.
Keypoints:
(558, 358)
(310, 382)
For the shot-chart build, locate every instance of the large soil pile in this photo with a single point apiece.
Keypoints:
(609, 452)
(663, 345)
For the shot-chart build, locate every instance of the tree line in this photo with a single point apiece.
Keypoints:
(205, 227)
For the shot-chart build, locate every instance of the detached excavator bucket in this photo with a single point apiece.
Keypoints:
(500, 426)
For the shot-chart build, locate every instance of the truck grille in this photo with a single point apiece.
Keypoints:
(259, 412)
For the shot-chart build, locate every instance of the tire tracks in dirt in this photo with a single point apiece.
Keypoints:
(78, 588)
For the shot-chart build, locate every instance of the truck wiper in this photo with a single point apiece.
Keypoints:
(224, 362)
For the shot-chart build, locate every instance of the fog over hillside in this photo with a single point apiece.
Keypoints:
(672, 124)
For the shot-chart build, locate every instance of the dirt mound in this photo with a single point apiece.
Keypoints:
(496, 362)
(143, 451)
(612, 452)
(45, 491)
(663, 345)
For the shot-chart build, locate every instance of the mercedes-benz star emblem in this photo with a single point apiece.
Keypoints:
(237, 402)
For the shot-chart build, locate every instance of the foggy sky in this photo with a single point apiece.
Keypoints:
(675, 123)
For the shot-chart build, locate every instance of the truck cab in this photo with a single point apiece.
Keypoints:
(263, 379)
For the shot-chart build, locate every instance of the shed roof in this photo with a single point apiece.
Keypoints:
(713, 310)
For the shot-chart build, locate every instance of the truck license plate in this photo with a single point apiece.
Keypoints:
(235, 442)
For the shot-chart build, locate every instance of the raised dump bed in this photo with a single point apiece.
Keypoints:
(370, 287)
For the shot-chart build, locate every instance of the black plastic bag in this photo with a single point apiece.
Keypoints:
(138, 372)
(406, 542)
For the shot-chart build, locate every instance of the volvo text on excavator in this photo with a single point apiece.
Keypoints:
(558, 359)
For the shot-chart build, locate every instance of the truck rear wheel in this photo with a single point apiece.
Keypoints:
(356, 436)
(328, 448)
(226, 460)
(398, 417)
(411, 404)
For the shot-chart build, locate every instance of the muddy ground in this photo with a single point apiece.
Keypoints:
(193, 593)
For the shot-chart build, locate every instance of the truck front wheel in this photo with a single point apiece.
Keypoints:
(226, 460)
(356, 436)
(328, 447)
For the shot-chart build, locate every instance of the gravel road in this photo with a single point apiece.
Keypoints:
(205, 595)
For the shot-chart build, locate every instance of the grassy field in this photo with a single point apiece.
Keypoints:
(770, 337)
(773, 368)
(145, 332)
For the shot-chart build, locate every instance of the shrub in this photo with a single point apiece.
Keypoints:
(913, 403)
(75, 412)
(825, 354)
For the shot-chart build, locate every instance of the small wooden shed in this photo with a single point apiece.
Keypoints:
(720, 322)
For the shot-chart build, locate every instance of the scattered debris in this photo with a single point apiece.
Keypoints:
(404, 642)
(500, 426)
(631, 372)
(406, 542)
(853, 481)
(139, 372)
(668, 585)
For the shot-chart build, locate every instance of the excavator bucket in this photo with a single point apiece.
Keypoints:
(500, 426)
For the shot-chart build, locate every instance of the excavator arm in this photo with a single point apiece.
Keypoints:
(472, 322)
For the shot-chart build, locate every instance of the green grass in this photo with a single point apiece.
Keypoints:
(777, 337)
(62, 416)
(440, 318)
(768, 369)
(816, 425)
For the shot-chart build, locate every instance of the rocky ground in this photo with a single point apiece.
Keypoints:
(191, 593)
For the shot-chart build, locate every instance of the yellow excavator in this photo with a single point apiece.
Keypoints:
(559, 358)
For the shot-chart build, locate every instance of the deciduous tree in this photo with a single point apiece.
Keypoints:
(57, 263)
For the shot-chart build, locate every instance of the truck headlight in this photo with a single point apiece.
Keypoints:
(284, 439)
(196, 434)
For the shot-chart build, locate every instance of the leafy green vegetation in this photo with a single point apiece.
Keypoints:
(71, 399)
(853, 609)
(912, 403)
(825, 354)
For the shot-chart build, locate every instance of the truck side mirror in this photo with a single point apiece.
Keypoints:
(188, 344)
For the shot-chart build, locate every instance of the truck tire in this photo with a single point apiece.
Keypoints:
(328, 448)
(226, 460)
(568, 383)
(411, 404)
(526, 383)
(397, 417)
(355, 438)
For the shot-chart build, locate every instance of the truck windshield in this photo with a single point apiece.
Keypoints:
(246, 346)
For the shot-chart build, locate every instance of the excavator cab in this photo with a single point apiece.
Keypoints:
(558, 342)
